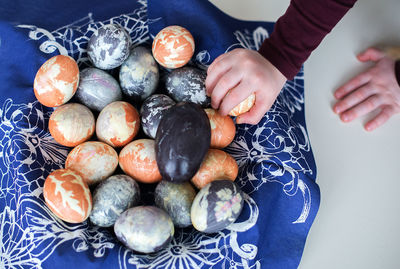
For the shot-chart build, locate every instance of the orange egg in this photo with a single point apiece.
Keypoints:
(138, 160)
(94, 160)
(71, 124)
(216, 165)
(173, 46)
(117, 124)
(56, 81)
(244, 106)
(67, 195)
(222, 129)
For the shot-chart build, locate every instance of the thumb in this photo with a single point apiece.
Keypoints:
(370, 54)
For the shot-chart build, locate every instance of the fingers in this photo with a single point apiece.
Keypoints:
(214, 73)
(380, 119)
(370, 54)
(370, 104)
(234, 96)
(227, 81)
(353, 84)
(255, 114)
(355, 97)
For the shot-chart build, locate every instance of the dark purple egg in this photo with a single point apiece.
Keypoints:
(152, 110)
(182, 141)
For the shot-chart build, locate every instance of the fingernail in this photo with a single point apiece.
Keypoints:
(336, 109)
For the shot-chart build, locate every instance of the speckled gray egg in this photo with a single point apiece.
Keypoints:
(139, 74)
(151, 112)
(216, 206)
(97, 89)
(145, 229)
(188, 84)
(112, 197)
(109, 46)
(176, 199)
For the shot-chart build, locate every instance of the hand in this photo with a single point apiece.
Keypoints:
(243, 72)
(376, 88)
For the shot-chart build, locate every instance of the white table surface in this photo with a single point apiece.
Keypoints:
(358, 223)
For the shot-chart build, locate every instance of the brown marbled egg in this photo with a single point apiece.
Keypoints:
(67, 195)
(118, 123)
(71, 124)
(222, 129)
(244, 106)
(56, 81)
(94, 160)
(173, 46)
(216, 165)
(138, 160)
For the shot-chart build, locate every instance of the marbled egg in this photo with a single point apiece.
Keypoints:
(117, 124)
(109, 46)
(139, 74)
(71, 124)
(97, 89)
(187, 84)
(88, 157)
(216, 165)
(112, 197)
(222, 129)
(173, 46)
(67, 195)
(145, 229)
(182, 140)
(244, 106)
(216, 206)
(176, 199)
(56, 81)
(151, 112)
(138, 159)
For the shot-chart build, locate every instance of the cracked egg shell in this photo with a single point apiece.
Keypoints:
(67, 195)
(138, 160)
(222, 129)
(145, 229)
(87, 157)
(244, 106)
(173, 46)
(117, 124)
(71, 124)
(112, 197)
(56, 81)
(216, 206)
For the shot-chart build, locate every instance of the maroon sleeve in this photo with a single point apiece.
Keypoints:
(300, 30)
(397, 71)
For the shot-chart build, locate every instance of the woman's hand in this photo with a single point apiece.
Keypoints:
(376, 88)
(242, 72)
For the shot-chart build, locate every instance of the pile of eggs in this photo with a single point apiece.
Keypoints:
(172, 144)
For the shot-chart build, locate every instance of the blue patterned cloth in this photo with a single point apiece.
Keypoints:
(276, 165)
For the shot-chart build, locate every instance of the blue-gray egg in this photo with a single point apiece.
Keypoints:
(188, 84)
(109, 46)
(139, 74)
(216, 206)
(145, 229)
(112, 197)
(151, 112)
(176, 199)
(97, 89)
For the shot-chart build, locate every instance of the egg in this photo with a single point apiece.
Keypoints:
(139, 74)
(222, 129)
(87, 157)
(216, 206)
(188, 84)
(67, 195)
(117, 124)
(243, 106)
(138, 159)
(109, 46)
(71, 124)
(173, 46)
(182, 140)
(112, 197)
(56, 81)
(176, 199)
(151, 112)
(97, 89)
(145, 229)
(216, 165)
